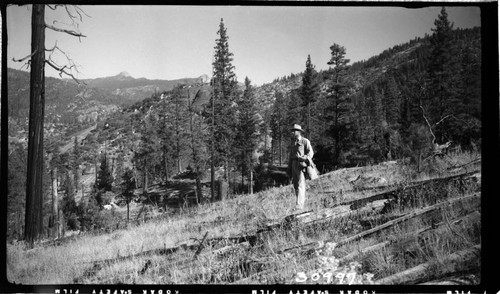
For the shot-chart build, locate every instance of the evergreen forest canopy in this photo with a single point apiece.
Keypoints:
(397, 105)
(392, 106)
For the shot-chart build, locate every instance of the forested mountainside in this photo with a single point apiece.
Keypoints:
(384, 109)
(391, 106)
(386, 105)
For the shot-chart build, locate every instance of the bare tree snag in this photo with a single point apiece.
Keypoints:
(34, 186)
(437, 149)
(34, 195)
(456, 262)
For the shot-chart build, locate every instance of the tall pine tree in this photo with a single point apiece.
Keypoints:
(179, 100)
(197, 133)
(127, 187)
(248, 126)
(279, 123)
(167, 146)
(75, 162)
(309, 91)
(339, 109)
(442, 99)
(104, 181)
(221, 109)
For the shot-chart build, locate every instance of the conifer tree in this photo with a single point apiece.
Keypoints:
(127, 187)
(34, 197)
(197, 131)
(166, 136)
(295, 108)
(392, 103)
(467, 125)
(180, 126)
(75, 162)
(294, 115)
(278, 123)
(248, 125)
(222, 114)
(309, 91)
(68, 202)
(442, 93)
(146, 153)
(34, 182)
(104, 181)
(339, 106)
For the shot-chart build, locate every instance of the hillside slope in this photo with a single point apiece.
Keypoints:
(384, 227)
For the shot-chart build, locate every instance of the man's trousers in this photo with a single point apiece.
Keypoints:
(299, 184)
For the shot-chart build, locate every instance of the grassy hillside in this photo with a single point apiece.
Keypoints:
(361, 225)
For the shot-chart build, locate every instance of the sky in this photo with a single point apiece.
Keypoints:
(267, 42)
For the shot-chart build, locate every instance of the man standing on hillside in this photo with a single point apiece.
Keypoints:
(301, 154)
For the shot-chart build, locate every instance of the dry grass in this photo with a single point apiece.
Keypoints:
(74, 261)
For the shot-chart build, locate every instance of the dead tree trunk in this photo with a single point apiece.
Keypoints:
(34, 195)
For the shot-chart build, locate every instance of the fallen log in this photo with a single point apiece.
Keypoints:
(186, 262)
(403, 218)
(470, 217)
(454, 167)
(474, 216)
(375, 207)
(347, 208)
(406, 217)
(456, 262)
(309, 217)
(393, 190)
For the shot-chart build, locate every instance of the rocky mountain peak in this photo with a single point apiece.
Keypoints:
(204, 79)
(124, 74)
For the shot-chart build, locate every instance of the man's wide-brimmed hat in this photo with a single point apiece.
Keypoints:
(296, 127)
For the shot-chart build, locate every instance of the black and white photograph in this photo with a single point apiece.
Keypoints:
(307, 146)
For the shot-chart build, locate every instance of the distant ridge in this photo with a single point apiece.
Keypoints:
(66, 100)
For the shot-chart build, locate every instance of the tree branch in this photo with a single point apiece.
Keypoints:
(78, 10)
(23, 59)
(73, 33)
(62, 70)
(55, 6)
(443, 119)
(428, 124)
